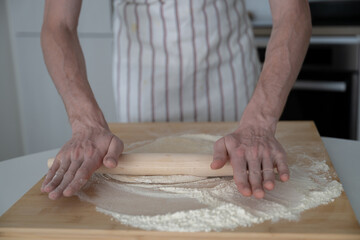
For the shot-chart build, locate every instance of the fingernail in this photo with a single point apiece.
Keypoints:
(212, 165)
(111, 162)
(52, 195)
(285, 177)
(269, 185)
(67, 192)
(247, 191)
(258, 193)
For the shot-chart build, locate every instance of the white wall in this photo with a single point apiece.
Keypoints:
(10, 132)
(43, 118)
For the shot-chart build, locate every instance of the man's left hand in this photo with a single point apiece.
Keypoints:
(253, 153)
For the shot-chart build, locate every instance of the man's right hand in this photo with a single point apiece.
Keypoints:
(86, 151)
(92, 143)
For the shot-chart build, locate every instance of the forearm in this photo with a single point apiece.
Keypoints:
(66, 65)
(284, 56)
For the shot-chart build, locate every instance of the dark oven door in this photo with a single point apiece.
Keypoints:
(326, 99)
(326, 90)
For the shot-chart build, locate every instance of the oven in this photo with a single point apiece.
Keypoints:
(327, 87)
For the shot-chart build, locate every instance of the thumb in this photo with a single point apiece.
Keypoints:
(116, 147)
(220, 154)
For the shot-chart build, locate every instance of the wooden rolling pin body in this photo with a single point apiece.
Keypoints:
(151, 164)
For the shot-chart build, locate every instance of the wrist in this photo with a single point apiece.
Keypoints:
(255, 116)
(88, 117)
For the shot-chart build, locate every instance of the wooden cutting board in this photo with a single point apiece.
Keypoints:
(34, 216)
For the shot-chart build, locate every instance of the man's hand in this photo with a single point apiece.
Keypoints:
(92, 143)
(252, 149)
(253, 153)
(87, 150)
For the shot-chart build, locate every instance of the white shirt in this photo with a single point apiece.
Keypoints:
(182, 60)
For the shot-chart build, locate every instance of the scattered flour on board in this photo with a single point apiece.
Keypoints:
(211, 204)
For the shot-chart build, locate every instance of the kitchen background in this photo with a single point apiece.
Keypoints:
(33, 118)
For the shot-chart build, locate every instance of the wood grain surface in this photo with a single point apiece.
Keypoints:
(164, 164)
(34, 216)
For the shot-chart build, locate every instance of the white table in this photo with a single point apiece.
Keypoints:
(18, 175)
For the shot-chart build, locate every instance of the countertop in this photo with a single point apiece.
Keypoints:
(19, 174)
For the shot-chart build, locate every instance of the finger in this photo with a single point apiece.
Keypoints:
(282, 167)
(238, 164)
(220, 156)
(59, 174)
(68, 177)
(81, 177)
(50, 174)
(114, 151)
(255, 177)
(90, 164)
(268, 172)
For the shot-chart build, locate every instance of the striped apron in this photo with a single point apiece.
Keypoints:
(182, 60)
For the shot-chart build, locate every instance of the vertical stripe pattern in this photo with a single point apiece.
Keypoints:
(128, 63)
(194, 56)
(117, 61)
(182, 60)
(232, 63)
(166, 63)
(152, 63)
(220, 62)
(242, 56)
(207, 54)
(140, 60)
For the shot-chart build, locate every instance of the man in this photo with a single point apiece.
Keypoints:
(178, 61)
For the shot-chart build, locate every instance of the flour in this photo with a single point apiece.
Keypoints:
(211, 204)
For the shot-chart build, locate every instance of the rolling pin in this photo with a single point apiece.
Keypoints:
(151, 164)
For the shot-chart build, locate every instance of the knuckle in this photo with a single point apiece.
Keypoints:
(218, 157)
(82, 172)
(90, 151)
(254, 173)
(254, 153)
(69, 174)
(283, 167)
(230, 141)
(77, 183)
(241, 185)
(59, 156)
(119, 142)
(53, 184)
(238, 181)
(279, 152)
(217, 144)
(267, 162)
(219, 141)
(76, 153)
(53, 169)
(241, 177)
(266, 154)
(239, 152)
(77, 161)
(60, 171)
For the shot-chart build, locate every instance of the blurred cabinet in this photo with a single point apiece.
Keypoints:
(43, 117)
